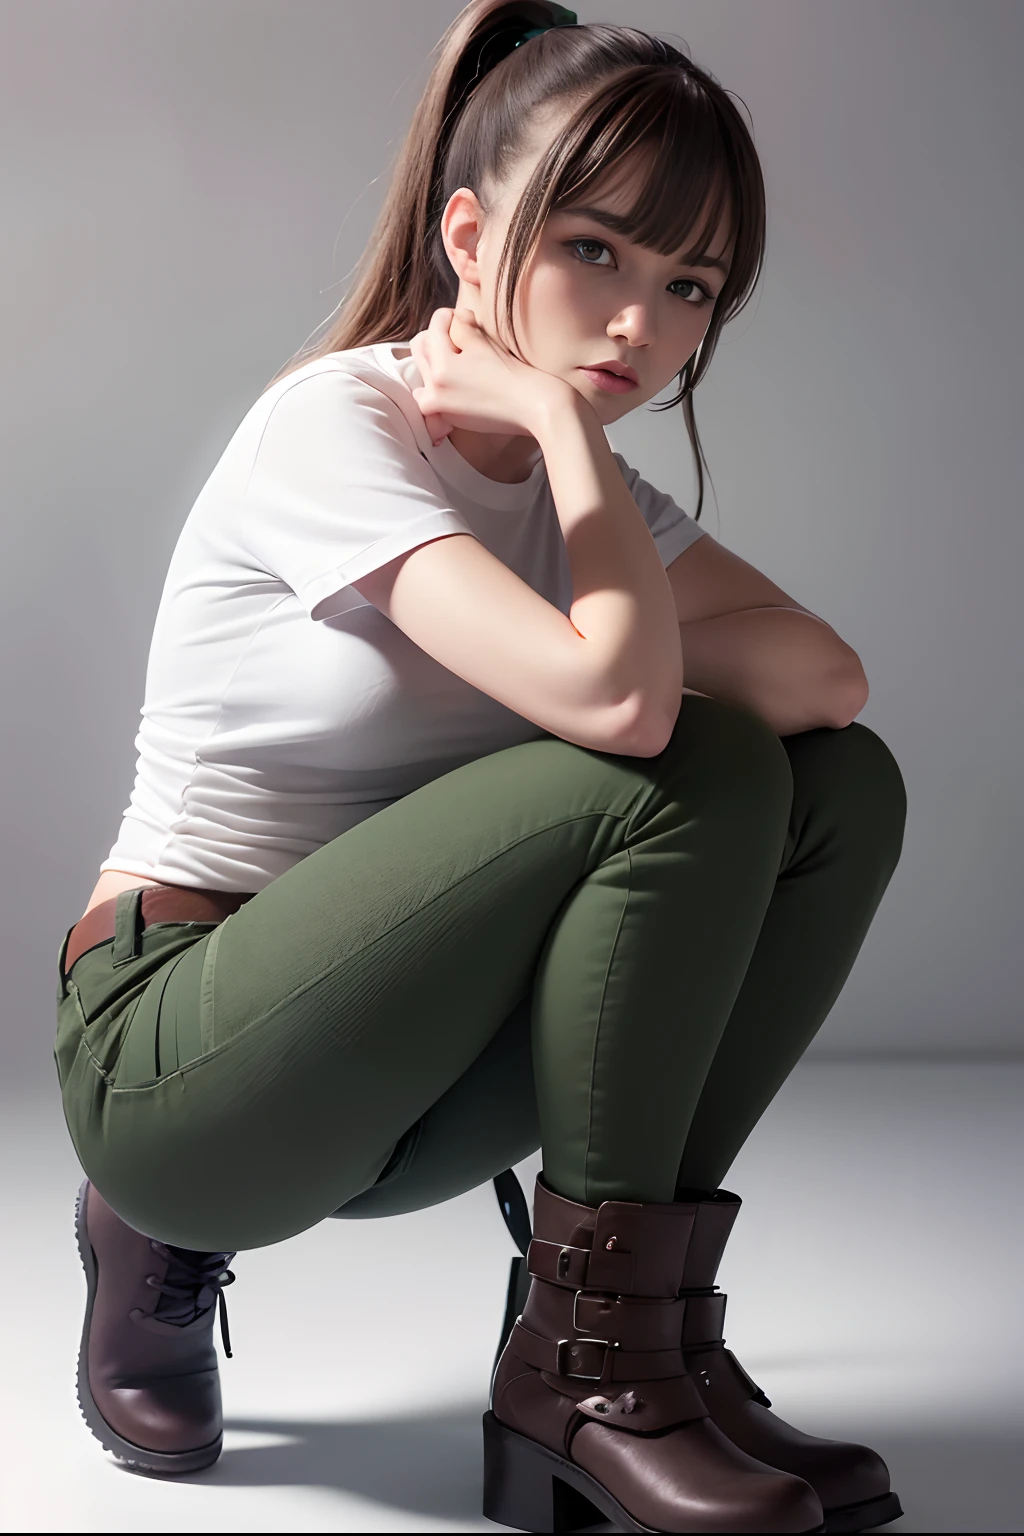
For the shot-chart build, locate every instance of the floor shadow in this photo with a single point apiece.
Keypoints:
(428, 1463)
(431, 1464)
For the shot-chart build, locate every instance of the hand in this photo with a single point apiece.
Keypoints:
(472, 383)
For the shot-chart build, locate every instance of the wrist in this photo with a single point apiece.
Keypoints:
(555, 406)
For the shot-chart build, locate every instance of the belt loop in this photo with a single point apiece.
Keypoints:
(127, 926)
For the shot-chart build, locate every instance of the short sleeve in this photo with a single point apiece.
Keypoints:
(672, 529)
(337, 488)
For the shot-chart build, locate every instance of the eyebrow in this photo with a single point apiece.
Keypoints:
(616, 224)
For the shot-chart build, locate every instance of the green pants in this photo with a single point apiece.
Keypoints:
(616, 959)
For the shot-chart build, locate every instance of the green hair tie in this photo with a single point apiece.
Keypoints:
(565, 19)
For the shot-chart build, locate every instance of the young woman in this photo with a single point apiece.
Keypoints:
(447, 841)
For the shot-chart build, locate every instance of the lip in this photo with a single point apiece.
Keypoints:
(612, 375)
(612, 365)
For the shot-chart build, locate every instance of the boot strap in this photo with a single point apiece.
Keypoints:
(635, 1323)
(703, 1320)
(703, 1333)
(594, 1359)
(745, 1381)
(597, 1269)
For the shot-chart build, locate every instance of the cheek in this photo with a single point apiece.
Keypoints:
(552, 315)
(554, 290)
(563, 317)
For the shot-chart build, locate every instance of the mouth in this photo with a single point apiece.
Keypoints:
(617, 378)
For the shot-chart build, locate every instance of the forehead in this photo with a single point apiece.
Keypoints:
(621, 191)
(618, 195)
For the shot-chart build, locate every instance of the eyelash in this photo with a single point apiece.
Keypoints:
(708, 298)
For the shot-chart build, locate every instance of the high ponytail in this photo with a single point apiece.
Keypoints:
(630, 93)
(396, 290)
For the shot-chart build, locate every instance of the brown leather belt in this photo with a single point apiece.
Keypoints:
(159, 904)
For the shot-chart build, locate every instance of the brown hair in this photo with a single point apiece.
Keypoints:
(639, 102)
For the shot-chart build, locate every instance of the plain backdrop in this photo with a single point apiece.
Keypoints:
(187, 185)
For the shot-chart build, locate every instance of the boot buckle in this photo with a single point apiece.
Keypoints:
(589, 1295)
(562, 1364)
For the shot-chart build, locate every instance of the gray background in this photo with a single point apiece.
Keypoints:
(186, 187)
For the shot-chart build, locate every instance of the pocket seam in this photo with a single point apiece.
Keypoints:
(207, 1035)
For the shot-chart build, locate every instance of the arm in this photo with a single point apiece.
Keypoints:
(622, 601)
(788, 666)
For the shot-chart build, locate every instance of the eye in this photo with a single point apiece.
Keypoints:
(700, 294)
(595, 245)
(696, 300)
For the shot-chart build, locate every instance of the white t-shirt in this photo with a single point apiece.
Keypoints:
(280, 707)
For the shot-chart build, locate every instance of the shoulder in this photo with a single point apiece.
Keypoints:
(344, 390)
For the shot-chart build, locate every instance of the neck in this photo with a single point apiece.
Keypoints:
(506, 457)
(509, 459)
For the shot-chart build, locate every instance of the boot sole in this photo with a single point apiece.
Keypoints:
(135, 1456)
(529, 1488)
(863, 1516)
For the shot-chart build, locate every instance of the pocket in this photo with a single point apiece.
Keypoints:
(105, 985)
(100, 998)
(164, 1031)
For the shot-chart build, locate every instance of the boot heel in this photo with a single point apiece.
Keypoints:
(521, 1488)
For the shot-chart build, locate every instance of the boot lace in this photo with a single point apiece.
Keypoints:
(189, 1275)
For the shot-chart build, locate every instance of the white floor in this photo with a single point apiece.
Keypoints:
(874, 1280)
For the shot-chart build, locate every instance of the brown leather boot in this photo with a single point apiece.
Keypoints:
(148, 1383)
(591, 1406)
(851, 1481)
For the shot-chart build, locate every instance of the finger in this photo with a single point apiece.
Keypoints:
(438, 428)
(463, 326)
(437, 332)
(440, 322)
(421, 357)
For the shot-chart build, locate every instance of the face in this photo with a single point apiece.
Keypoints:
(589, 295)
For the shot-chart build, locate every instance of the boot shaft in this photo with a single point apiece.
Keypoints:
(592, 1387)
(714, 1218)
(602, 1324)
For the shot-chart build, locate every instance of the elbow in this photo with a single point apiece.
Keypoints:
(848, 694)
(653, 733)
(641, 732)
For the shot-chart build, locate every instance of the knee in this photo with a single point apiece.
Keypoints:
(864, 777)
(735, 751)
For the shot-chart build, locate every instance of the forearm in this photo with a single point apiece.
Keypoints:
(790, 668)
(622, 602)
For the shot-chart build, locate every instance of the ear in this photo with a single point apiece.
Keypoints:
(461, 228)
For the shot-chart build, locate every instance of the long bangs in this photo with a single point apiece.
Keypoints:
(665, 141)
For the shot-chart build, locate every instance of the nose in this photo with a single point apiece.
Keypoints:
(635, 325)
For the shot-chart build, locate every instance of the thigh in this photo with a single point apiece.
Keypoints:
(342, 1002)
(313, 1027)
(486, 1122)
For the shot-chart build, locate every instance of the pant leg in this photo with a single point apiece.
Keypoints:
(334, 1009)
(485, 1123)
(844, 841)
